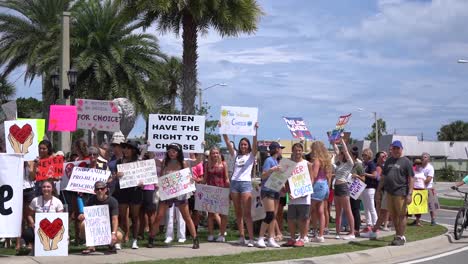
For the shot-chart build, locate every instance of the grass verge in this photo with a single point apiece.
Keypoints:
(451, 202)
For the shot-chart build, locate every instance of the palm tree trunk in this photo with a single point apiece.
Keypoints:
(189, 60)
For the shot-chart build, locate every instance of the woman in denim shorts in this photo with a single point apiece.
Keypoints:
(241, 184)
(270, 198)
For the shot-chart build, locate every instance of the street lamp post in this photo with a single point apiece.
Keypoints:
(376, 130)
(200, 91)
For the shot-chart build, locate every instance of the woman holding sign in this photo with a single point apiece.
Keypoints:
(241, 184)
(173, 162)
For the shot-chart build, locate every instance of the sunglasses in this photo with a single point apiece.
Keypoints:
(100, 189)
(94, 154)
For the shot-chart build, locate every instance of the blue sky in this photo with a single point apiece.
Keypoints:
(320, 59)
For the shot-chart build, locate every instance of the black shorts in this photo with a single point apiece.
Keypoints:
(282, 201)
(191, 203)
(132, 195)
(28, 195)
(148, 202)
(341, 190)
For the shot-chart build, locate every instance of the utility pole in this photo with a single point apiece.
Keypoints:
(376, 133)
(64, 138)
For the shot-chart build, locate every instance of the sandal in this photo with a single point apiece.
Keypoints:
(88, 251)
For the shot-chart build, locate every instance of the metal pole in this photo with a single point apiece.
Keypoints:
(376, 133)
(64, 138)
(200, 98)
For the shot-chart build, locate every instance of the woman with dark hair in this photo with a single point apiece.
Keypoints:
(368, 195)
(81, 149)
(174, 161)
(270, 198)
(241, 184)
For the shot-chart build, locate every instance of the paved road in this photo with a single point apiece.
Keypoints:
(457, 256)
(445, 217)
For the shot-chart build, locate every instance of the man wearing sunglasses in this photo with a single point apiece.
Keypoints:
(102, 198)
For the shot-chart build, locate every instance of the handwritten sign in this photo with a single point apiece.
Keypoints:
(83, 179)
(418, 204)
(175, 184)
(298, 127)
(40, 124)
(335, 135)
(278, 178)
(356, 187)
(136, 172)
(51, 234)
(11, 194)
(21, 138)
(104, 115)
(50, 168)
(300, 183)
(212, 199)
(62, 118)
(68, 170)
(97, 225)
(256, 210)
(238, 120)
(187, 130)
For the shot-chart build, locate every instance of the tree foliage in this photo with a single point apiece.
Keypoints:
(455, 131)
(382, 129)
(29, 107)
(7, 90)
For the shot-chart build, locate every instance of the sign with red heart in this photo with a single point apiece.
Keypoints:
(51, 229)
(21, 134)
(21, 137)
(51, 236)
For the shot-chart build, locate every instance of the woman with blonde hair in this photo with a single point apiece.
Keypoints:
(322, 173)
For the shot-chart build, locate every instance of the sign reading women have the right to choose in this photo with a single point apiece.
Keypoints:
(187, 130)
(238, 120)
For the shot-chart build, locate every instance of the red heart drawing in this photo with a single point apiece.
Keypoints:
(21, 134)
(115, 110)
(51, 229)
(80, 102)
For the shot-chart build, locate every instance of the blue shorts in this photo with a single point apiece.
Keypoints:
(320, 191)
(241, 186)
(270, 194)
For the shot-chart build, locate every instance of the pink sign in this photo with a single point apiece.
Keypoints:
(62, 118)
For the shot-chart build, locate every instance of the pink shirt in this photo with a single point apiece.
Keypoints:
(197, 170)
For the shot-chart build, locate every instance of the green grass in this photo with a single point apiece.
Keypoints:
(451, 202)
(413, 233)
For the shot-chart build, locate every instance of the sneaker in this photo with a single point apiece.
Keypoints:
(261, 243)
(312, 232)
(306, 239)
(241, 241)
(398, 241)
(433, 222)
(319, 239)
(386, 229)
(135, 244)
(181, 240)
(290, 243)
(168, 240)
(365, 229)
(150, 242)
(272, 243)
(337, 237)
(221, 239)
(349, 237)
(371, 235)
(210, 238)
(250, 243)
(299, 243)
(118, 246)
(326, 231)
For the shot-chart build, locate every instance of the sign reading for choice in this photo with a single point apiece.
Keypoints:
(135, 172)
(187, 130)
(103, 115)
(238, 120)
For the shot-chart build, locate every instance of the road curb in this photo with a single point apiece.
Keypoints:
(446, 207)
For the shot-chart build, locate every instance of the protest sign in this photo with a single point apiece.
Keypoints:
(97, 225)
(187, 130)
(356, 187)
(238, 120)
(40, 124)
(83, 179)
(256, 210)
(21, 138)
(278, 178)
(68, 170)
(51, 234)
(103, 115)
(136, 172)
(298, 127)
(62, 118)
(50, 168)
(300, 183)
(418, 204)
(175, 184)
(11, 194)
(335, 135)
(212, 199)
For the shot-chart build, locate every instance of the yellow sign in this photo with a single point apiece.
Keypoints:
(419, 203)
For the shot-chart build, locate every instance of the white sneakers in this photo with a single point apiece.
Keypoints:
(272, 243)
(118, 246)
(168, 240)
(319, 239)
(221, 239)
(349, 237)
(241, 241)
(211, 238)
(181, 240)
(250, 243)
(261, 243)
(370, 234)
(135, 244)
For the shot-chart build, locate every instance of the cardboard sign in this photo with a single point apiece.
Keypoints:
(256, 210)
(300, 183)
(51, 234)
(68, 170)
(212, 199)
(356, 187)
(40, 124)
(278, 178)
(187, 130)
(11, 194)
(335, 135)
(298, 127)
(83, 179)
(104, 115)
(175, 184)
(62, 118)
(97, 225)
(418, 204)
(238, 120)
(50, 168)
(21, 138)
(136, 172)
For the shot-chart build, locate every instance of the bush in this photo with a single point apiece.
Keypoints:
(447, 174)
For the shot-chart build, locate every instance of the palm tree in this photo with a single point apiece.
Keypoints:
(7, 90)
(170, 75)
(455, 131)
(229, 18)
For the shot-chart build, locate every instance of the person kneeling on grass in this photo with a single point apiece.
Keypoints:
(102, 198)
